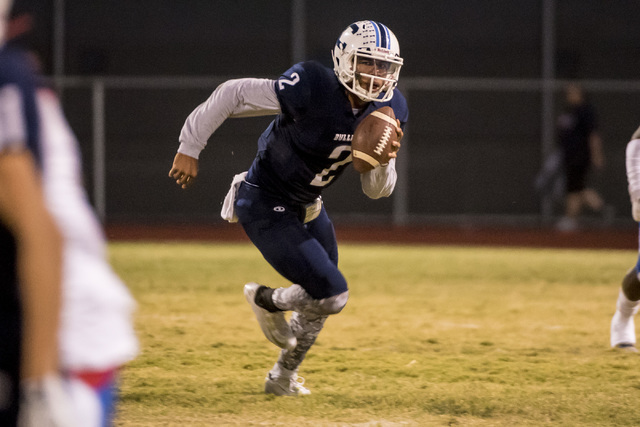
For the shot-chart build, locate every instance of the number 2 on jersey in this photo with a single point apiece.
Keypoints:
(295, 78)
(323, 178)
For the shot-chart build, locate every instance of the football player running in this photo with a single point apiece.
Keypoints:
(623, 333)
(304, 149)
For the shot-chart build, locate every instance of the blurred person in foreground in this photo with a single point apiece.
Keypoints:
(623, 333)
(304, 149)
(30, 259)
(581, 147)
(96, 330)
(96, 335)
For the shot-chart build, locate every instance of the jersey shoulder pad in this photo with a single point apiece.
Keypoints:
(399, 105)
(302, 86)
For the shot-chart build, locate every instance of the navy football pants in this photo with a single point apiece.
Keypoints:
(305, 254)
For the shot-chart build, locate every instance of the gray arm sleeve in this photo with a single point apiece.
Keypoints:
(234, 98)
(380, 181)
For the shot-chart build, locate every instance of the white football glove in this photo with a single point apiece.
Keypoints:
(45, 403)
(635, 209)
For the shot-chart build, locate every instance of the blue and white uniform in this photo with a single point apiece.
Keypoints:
(309, 145)
(304, 150)
(18, 132)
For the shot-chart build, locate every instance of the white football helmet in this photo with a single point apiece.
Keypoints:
(368, 49)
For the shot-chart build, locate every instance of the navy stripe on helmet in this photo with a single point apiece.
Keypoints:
(377, 31)
(382, 35)
(388, 35)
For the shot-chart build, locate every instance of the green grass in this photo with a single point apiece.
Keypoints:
(430, 336)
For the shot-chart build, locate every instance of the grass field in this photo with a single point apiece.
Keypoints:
(430, 336)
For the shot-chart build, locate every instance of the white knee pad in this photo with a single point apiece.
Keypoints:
(334, 304)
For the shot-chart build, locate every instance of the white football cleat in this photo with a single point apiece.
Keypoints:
(273, 325)
(623, 332)
(284, 386)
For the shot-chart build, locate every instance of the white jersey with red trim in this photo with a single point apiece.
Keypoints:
(96, 325)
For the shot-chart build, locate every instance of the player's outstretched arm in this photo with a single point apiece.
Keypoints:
(39, 252)
(234, 98)
(39, 260)
(184, 170)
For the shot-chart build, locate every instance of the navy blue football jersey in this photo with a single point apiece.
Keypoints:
(308, 145)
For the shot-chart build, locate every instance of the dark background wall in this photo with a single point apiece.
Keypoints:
(471, 152)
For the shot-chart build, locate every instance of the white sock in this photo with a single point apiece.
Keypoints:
(625, 306)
